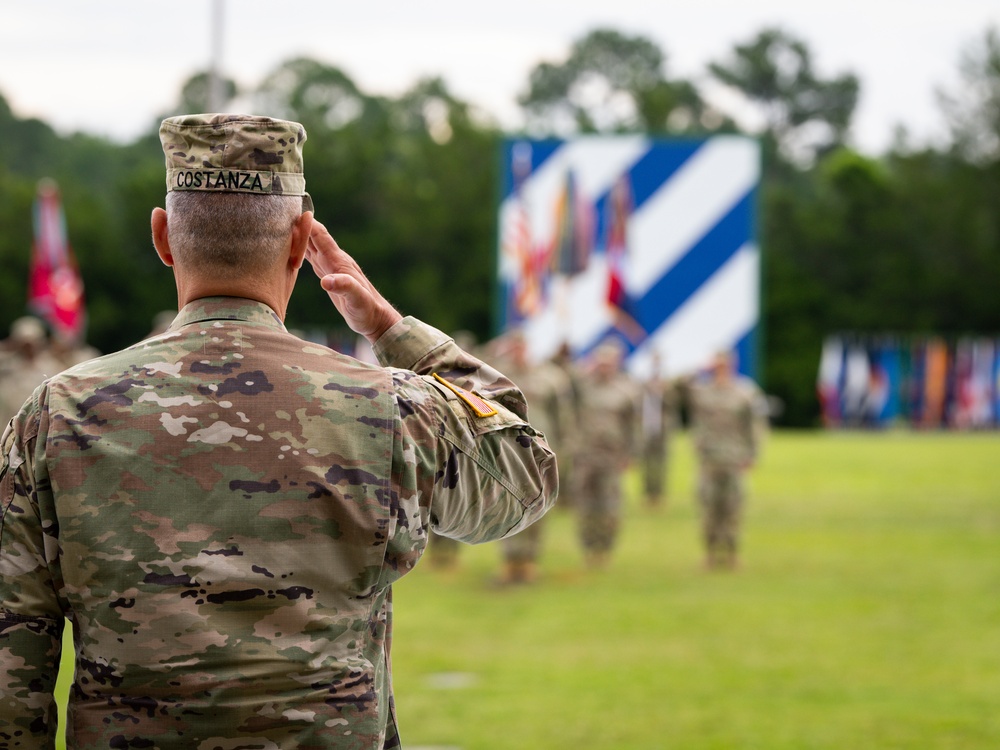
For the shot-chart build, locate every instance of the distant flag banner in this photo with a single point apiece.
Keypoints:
(829, 383)
(927, 383)
(649, 241)
(55, 288)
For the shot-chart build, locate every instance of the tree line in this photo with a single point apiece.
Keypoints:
(907, 242)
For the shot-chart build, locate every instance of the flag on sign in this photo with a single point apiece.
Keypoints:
(55, 289)
(521, 251)
(651, 242)
(572, 242)
(619, 207)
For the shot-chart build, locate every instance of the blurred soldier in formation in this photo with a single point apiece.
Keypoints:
(727, 423)
(548, 392)
(27, 360)
(563, 361)
(659, 420)
(607, 439)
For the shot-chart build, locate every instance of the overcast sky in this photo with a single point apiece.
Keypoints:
(110, 67)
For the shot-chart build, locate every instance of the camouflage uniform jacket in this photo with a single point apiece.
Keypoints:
(221, 510)
(726, 422)
(609, 427)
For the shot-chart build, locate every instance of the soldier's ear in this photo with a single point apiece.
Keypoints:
(300, 239)
(161, 239)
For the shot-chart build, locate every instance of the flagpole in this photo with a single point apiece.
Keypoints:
(216, 95)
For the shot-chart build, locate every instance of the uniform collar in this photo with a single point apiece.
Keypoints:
(227, 308)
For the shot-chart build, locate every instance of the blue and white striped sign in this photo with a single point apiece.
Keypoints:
(648, 240)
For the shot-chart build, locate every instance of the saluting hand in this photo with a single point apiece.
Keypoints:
(364, 309)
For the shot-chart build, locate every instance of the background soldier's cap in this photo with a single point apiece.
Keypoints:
(235, 154)
(28, 329)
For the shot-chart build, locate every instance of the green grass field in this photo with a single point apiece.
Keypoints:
(866, 615)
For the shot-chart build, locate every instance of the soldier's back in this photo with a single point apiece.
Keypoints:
(228, 532)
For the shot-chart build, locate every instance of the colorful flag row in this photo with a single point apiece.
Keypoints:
(927, 382)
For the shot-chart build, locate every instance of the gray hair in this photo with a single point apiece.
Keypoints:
(231, 235)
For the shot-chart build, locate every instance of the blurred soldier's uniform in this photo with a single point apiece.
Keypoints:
(26, 361)
(563, 361)
(548, 394)
(659, 420)
(221, 509)
(607, 440)
(727, 422)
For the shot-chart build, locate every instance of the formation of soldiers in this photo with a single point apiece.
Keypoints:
(602, 422)
(599, 420)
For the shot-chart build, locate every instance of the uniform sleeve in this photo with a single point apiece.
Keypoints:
(758, 420)
(477, 468)
(416, 346)
(31, 621)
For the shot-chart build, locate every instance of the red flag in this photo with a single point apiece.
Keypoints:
(619, 207)
(55, 288)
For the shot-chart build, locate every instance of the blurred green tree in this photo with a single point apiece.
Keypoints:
(196, 93)
(973, 107)
(803, 114)
(611, 82)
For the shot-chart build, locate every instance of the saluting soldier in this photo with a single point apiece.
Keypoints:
(221, 510)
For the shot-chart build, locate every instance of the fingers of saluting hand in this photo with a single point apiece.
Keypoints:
(354, 296)
(325, 255)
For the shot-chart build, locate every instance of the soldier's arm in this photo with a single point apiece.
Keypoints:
(758, 419)
(480, 471)
(368, 313)
(31, 621)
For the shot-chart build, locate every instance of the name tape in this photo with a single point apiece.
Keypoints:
(229, 180)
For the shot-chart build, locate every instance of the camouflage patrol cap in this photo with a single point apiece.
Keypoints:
(235, 154)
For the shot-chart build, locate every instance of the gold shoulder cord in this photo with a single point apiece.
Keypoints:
(479, 406)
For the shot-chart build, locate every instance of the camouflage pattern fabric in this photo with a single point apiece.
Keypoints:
(221, 510)
(727, 426)
(721, 495)
(607, 440)
(726, 421)
(547, 392)
(235, 154)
